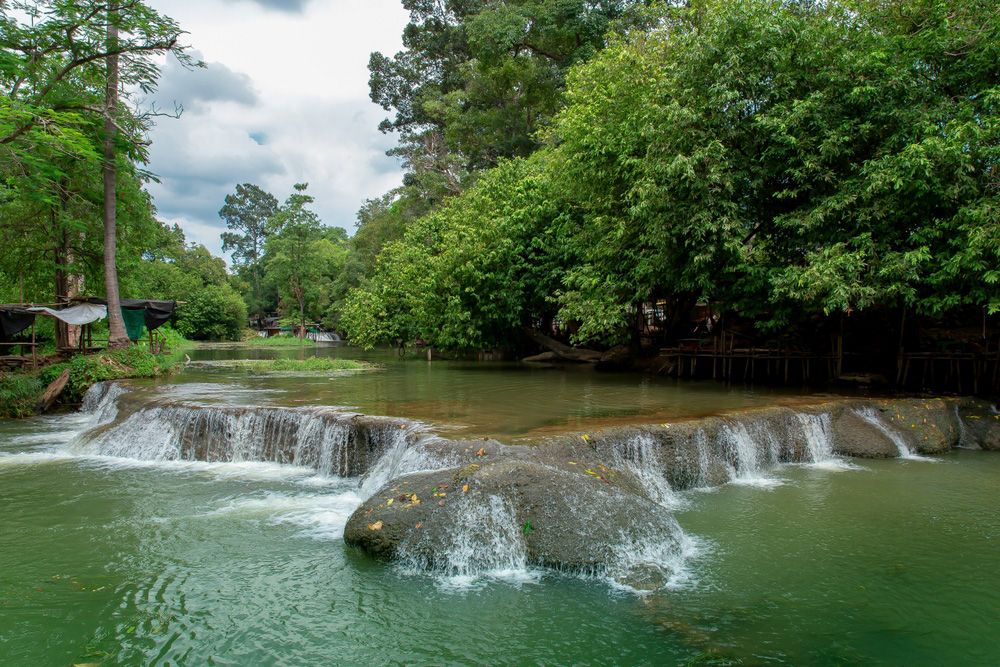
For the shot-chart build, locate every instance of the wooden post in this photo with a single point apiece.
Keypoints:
(34, 354)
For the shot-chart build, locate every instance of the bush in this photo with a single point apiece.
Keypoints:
(134, 361)
(215, 312)
(18, 394)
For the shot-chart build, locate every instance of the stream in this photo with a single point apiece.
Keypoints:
(121, 550)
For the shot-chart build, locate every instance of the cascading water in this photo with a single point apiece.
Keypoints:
(322, 336)
(484, 540)
(638, 456)
(747, 457)
(818, 432)
(101, 401)
(331, 443)
(872, 416)
(963, 438)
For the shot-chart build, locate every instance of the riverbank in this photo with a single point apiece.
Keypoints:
(21, 390)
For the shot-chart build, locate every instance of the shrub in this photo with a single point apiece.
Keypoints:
(215, 312)
(18, 394)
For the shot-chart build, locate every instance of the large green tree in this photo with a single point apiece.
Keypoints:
(64, 62)
(247, 213)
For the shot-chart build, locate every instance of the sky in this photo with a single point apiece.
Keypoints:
(283, 100)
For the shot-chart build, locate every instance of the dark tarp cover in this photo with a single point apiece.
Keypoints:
(157, 312)
(12, 323)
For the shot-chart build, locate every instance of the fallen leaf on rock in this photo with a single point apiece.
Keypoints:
(465, 488)
(482, 450)
(590, 472)
(527, 527)
(390, 501)
(572, 463)
(375, 526)
(440, 502)
(419, 524)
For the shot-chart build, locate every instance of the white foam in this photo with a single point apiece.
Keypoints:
(32, 458)
(320, 516)
(250, 470)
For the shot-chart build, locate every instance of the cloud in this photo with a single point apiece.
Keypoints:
(284, 100)
(195, 89)
(290, 6)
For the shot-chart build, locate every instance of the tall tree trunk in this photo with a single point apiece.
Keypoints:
(59, 280)
(117, 337)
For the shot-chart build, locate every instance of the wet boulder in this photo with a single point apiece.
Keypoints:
(927, 426)
(853, 435)
(508, 511)
(981, 424)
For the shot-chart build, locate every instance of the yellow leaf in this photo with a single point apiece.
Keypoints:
(572, 463)
(591, 472)
(390, 501)
(465, 488)
(413, 497)
(375, 526)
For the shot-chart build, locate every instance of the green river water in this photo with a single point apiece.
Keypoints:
(109, 561)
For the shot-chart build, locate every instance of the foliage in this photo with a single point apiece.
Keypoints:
(472, 274)
(214, 312)
(18, 394)
(134, 361)
(303, 258)
(783, 160)
(247, 213)
(310, 365)
(476, 80)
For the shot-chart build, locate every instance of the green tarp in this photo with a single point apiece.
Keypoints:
(135, 320)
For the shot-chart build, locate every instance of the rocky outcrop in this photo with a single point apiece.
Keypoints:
(855, 436)
(584, 501)
(561, 516)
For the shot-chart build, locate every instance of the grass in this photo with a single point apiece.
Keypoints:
(18, 394)
(134, 361)
(311, 365)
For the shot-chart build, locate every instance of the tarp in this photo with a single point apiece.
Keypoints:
(134, 320)
(156, 312)
(85, 313)
(12, 323)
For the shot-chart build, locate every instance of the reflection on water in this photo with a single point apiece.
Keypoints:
(478, 399)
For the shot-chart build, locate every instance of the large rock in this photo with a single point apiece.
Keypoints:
(981, 424)
(855, 436)
(928, 426)
(578, 517)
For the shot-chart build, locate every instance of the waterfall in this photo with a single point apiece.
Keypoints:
(963, 440)
(329, 442)
(101, 401)
(322, 336)
(704, 458)
(744, 457)
(484, 540)
(638, 456)
(872, 416)
(818, 433)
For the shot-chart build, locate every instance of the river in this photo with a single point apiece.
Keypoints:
(110, 560)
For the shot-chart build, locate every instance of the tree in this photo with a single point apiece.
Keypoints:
(57, 54)
(478, 79)
(247, 212)
(293, 264)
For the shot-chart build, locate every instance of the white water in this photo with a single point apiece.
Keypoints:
(746, 460)
(638, 456)
(873, 417)
(322, 337)
(963, 440)
(486, 541)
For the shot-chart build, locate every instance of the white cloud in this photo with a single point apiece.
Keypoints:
(284, 100)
